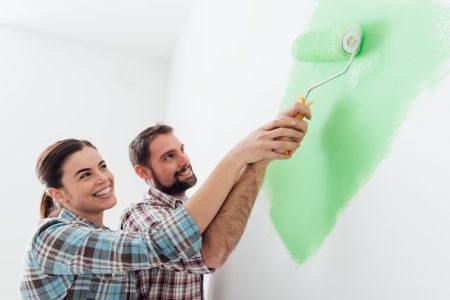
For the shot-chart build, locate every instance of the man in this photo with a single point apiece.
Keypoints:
(158, 157)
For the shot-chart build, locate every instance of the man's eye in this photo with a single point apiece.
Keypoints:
(103, 167)
(168, 157)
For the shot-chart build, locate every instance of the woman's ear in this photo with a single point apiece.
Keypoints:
(57, 194)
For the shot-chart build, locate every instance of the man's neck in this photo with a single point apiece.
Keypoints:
(178, 196)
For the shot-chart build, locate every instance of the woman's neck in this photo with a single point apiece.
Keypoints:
(95, 218)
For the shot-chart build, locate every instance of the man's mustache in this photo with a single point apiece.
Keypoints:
(182, 170)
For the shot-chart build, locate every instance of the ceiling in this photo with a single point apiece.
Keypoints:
(141, 27)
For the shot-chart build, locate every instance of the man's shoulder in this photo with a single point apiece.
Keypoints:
(142, 212)
(135, 208)
(146, 204)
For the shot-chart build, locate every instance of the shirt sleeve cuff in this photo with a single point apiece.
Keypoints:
(202, 267)
(178, 236)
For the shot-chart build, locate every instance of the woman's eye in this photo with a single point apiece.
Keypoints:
(85, 175)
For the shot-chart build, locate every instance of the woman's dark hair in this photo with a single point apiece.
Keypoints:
(49, 170)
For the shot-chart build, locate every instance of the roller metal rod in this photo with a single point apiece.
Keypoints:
(334, 76)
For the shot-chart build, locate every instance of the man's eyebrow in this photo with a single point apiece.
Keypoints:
(165, 153)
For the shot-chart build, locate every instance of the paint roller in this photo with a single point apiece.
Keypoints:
(342, 43)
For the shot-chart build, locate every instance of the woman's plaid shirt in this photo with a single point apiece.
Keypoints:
(71, 258)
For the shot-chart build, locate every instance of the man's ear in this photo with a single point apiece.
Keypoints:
(143, 172)
(57, 194)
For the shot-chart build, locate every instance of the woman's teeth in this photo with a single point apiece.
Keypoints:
(103, 192)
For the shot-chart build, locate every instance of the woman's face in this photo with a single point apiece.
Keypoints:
(88, 185)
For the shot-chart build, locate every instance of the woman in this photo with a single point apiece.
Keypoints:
(73, 256)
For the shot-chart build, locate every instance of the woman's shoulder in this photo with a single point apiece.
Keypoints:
(59, 225)
(47, 223)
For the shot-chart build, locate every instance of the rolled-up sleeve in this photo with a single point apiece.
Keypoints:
(141, 216)
(177, 236)
(75, 248)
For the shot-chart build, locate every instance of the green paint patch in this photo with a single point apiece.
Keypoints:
(406, 50)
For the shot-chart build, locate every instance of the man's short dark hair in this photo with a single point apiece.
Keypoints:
(138, 150)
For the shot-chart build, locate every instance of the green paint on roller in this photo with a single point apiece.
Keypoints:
(323, 45)
(406, 50)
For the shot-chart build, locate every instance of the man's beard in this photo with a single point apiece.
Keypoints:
(178, 187)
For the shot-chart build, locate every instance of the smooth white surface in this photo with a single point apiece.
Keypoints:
(227, 77)
(50, 90)
(142, 27)
(86, 69)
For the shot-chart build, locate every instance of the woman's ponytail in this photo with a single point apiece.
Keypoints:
(48, 207)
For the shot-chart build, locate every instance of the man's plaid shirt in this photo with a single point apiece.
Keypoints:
(180, 279)
(72, 258)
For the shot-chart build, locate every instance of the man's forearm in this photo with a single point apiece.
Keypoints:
(227, 227)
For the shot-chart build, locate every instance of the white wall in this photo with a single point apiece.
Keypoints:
(227, 77)
(52, 89)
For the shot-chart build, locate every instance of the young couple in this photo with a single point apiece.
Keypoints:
(167, 240)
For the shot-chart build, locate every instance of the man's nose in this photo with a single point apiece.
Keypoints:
(183, 159)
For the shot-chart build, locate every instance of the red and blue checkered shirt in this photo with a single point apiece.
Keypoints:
(182, 279)
(72, 258)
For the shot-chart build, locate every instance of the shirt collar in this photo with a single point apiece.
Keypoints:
(70, 216)
(156, 195)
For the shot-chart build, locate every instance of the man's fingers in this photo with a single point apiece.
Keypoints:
(279, 155)
(286, 134)
(286, 122)
(280, 121)
(298, 108)
(282, 146)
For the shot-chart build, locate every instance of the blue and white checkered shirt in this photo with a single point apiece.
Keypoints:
(72, 258)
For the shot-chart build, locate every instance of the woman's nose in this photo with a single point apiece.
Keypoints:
(101, 177)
